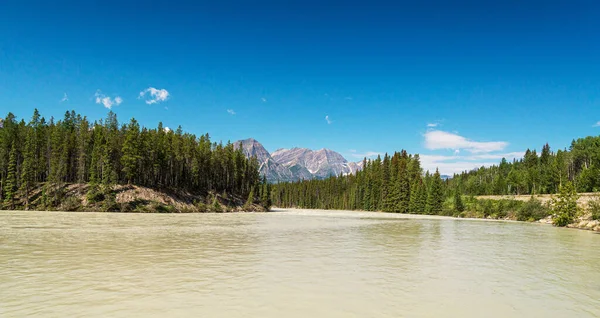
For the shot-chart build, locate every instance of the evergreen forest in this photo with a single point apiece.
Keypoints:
(51, 153)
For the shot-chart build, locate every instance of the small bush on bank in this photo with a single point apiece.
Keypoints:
(71, 204)
(532, 210)
(110, 203)
(216, 206)
(201, 207)
(94, 195)
(564, 205)
(594, 207)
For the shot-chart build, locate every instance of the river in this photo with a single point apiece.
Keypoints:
(292, 263)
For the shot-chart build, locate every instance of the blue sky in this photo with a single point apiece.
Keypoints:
(461, 83)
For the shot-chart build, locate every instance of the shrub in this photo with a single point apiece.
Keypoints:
(594, 207)
(216, 206)
(94, 195)
(71, 204)
(201, 207)
(458, 203)
(162, 208)
(564, 205)
(110, 203)
(532, 210)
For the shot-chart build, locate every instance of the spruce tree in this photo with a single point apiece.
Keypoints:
(565, 206)
(28, 166)
(458, 203)
(249, 201)
(130, 156)
(421, 205)
(11, 178)
(403, 185)
(435, 195)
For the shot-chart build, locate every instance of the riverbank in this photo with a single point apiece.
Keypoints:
(128, 198)
(584, 221)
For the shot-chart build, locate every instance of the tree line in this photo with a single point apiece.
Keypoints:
(105, 152)
(395, 183)
(537, 174)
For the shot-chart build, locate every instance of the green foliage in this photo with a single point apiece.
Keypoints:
(532, 210)
(163, 208)
(94, 195)
(248, 206)
(10, 187)
(436, 195)
(458, 203)
(201, 207)
(594, 207)
(564, 205)
(71, 204)
(105, 153)
(216, 206)
(265, 195)
(110, 203)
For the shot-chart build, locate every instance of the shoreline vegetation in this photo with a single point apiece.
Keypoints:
(131, 199)
(396, 183)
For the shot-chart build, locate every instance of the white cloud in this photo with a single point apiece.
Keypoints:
(328, 120)
(367, 154)
(65, 98)
(155, 95)
(437, 139)
(597, 124)
(264, 100)
(231, 111)
(456, 164)
(167, 129)
(433, 125)
(108, 102)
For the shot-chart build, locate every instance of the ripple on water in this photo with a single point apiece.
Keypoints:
(293, 264)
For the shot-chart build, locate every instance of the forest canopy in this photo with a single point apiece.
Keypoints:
(106, 152)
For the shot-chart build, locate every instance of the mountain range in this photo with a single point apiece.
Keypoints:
(295, 164)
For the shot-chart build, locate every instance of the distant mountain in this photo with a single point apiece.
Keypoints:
(297, 163)
(268, 167)
(320, 164)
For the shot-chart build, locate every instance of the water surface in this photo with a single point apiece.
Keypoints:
(292, 264)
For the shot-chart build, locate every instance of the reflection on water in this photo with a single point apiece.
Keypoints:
(292, 264)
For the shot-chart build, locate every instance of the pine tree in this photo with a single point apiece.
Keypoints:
(28, 166)
(11, 178)
(249, 201)
(564, 205)
(421, 205)
(403, 185)
(458, 203)
(414, 198)
(130, 158)
(435, 196)
(265, 195)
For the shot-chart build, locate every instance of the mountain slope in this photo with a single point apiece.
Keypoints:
(297, 163)
(268, 167)
(320, 164)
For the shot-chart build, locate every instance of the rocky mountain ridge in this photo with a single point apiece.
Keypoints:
(297, 163)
